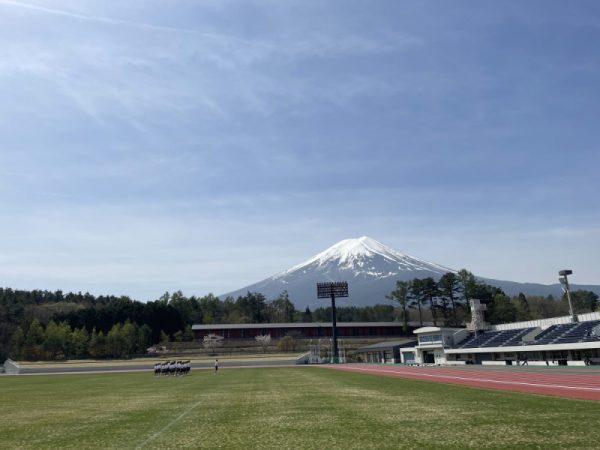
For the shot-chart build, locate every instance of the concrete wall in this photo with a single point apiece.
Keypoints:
(440, 356)
(530, 337)
(460, 336)
(588, 316)
(544, 323)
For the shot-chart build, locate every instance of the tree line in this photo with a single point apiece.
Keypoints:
(446, 301)
(48, 325)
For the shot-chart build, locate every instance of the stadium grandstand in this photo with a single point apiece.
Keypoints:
(304, 329)
(568, 340)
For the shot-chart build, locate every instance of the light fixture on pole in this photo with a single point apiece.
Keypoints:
(332, 290)
(563, 274)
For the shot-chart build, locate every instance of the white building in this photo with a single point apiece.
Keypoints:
(556, 341)
(433, 342)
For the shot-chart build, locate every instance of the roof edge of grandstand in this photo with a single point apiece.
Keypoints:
(586, 317)
(229, 326)
(429, 329)
(420, 328)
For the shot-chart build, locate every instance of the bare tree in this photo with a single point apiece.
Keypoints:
(263, 340)
(212, 341)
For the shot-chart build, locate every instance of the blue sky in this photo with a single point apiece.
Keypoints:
(148, 146)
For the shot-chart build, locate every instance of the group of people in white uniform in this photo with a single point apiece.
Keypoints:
(172, 368)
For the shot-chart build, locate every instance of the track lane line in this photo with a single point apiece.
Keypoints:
(471, 379)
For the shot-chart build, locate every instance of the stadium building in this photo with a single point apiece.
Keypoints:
(389, 351)
(303, 330)
(568, 340)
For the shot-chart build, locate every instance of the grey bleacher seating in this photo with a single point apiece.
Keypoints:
(554, 333)
(581, 332)
(476, 339)
(566, 333)
(545, 332)
(501, 338)
(517, 338)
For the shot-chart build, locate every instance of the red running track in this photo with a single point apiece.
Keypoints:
(574, 384)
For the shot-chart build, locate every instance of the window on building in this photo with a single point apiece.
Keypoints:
(430, 339)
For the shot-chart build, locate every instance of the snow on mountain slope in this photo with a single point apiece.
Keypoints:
(370, 268)
(359, 255)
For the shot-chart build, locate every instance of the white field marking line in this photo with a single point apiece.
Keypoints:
(169, 425)
(79, 372)
(577, 379)
(558, 386)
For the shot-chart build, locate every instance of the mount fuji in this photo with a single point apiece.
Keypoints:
(371, 270)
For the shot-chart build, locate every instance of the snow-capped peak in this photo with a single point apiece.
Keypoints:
(356, 254)
(349, 249)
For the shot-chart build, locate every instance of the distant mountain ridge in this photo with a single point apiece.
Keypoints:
(371, 270)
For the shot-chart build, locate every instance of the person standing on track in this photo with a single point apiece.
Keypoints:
(216, 366)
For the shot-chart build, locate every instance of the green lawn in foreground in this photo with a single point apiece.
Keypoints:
(304, 407)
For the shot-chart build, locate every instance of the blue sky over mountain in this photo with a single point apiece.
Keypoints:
(205, 145)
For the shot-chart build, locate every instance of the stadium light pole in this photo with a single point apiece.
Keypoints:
(331, 290)
(563, 274)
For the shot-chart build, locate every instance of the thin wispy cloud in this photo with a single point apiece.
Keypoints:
(131, 24)
(96, 19)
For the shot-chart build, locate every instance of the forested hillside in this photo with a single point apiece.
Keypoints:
(53, 325)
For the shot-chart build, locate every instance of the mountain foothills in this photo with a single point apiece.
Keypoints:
(385, 285)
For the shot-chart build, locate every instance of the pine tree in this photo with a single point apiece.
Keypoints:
(16, 343)
(307, 316)
(449, 289)
(402, 295)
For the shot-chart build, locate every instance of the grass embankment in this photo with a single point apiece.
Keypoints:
(304, 407)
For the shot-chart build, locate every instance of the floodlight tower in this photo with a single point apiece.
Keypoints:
(332, 290)
(565, 285)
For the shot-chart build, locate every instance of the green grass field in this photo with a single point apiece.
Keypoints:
(304, 407)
